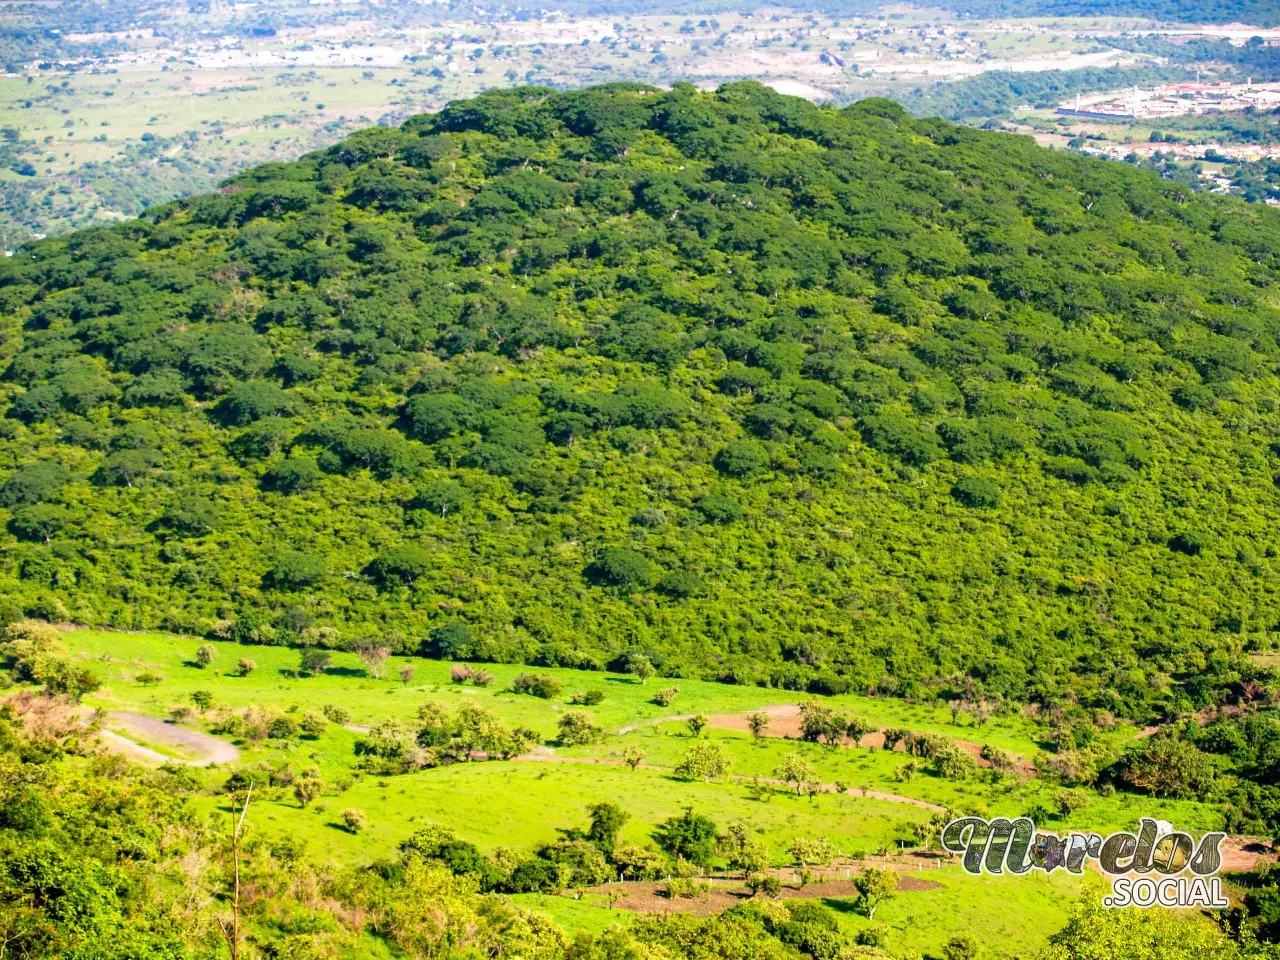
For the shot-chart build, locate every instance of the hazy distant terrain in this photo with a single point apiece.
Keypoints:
(107, 109)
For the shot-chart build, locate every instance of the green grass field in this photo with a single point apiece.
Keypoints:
(523, 804)
(122, 656)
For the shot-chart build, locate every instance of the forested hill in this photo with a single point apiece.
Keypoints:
(771, 392)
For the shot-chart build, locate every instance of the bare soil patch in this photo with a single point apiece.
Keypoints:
(784, 722)
(650, 897)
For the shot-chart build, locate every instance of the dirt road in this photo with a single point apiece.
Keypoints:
(203, 749)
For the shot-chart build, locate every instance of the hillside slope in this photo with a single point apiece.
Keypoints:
(770, 391)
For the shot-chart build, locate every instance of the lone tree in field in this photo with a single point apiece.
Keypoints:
(820, 724)
(314, 662)
(857, 728)
(705, 761)
(741, 850)
(374, 657)
(641, 667)
(633, 756)
(406, 675)
(795, 769)
(246, 666)
(607, 821)
(816, 851)
(874, 887)
(696, 724)
(203, 700)
(206, 654)
(758, 723)
(307, 787)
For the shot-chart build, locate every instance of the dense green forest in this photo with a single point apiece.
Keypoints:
(772, 393)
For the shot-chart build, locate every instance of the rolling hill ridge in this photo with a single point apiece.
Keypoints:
(826, 399)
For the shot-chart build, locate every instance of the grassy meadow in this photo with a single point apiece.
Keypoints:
(527, 803)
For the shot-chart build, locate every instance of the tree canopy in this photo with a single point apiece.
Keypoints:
(774, 393)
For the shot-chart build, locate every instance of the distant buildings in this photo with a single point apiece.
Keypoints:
(1174, 100)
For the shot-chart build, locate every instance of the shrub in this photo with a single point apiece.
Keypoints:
(336, 714)
(354, 820)
(587, 698)
(450, 641)
(963, 947)
(246, 666)
(297, 569)
(307, 787)
(313, 724)
(666, 696)
(639, 863)
(282, 728)
(876, 936)
(576, 729)
(764, 884)
(206, 654)
(633, 756)
(686, 887)
(542, 685)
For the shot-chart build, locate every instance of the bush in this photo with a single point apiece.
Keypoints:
(206, 654)
(246, 666)
(666, 696)
(576, 729)
(354, 820)
(963, 947)
(283, 728)
(336, 714)
(686, 887)
(587, 698)
(876, 936)
(542, 685)
(313, 724)
(764, 884)
(450, 641)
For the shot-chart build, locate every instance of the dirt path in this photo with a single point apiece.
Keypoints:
(784, 721)
(738, 778)
(207, 749)
(646, 896)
